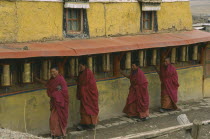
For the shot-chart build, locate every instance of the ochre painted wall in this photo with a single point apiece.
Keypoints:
(112, 98)
(8, 22)
(207, 87)
(207, 80)
(174, 16)
(41, 21)
(30, 21)
(107, 19)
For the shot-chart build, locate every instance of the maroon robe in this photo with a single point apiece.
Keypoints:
(58, 92)
(87, 93)
(138, 96)
(169, 87)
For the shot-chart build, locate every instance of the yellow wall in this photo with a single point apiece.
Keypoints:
(30, 21)
(175, 16)
(40, 21)
(106, 19)
(111, 101)
(207, 80)
(207, 87)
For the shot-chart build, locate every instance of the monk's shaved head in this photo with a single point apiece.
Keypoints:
(167, 58)
(167, 61)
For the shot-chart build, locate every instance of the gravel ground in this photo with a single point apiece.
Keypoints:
(115, 128)
(8, 134)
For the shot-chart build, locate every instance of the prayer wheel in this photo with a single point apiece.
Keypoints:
(72, 66)
(141, 58)
(128, 60)
(90, 63)
(154, 57)
(183, 53)
(27, 74)
(46, 65)
(6, 76)
(106, 62)
(173, 55)
(195, 52)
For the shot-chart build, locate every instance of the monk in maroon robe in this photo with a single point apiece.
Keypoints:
(137, 105)
(87, 93)
(58, 92)
(169, 86)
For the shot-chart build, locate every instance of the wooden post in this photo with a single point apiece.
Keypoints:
(145, 58)
(77, 66)
(116, 65)
(106, 62)
(187, 54)
(196, 129)
(72, 66)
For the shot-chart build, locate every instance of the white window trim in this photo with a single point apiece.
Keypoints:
(43, 0)
(135, 1)
(76, 5)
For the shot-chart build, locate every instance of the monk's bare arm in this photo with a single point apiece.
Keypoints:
(41, 81)
(127, 76)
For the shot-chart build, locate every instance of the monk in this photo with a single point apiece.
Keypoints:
(58, 92)
(169, 86)
(137, 105)
(87, 93)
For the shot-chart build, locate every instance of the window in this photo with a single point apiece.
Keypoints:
(74, 21)
(148, 20)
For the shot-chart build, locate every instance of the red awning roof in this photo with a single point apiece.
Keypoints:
(101, 45)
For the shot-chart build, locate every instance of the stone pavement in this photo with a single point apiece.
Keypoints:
(184, 107)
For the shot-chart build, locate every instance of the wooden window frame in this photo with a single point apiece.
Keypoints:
(81, 22)
(152, 20)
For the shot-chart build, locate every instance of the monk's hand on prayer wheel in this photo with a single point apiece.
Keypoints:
(59, 87)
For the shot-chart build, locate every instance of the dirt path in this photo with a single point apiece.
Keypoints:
(121, 126)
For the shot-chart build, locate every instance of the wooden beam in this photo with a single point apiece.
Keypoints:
(160, 132)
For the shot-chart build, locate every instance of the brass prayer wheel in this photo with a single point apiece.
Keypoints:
(183, 53)
(128, 60)
(154, 57)
(90, 63)
(106, 62)
(173, 55)
(195, 52)
(141, 58)
(27, 74)
(6, 76)
(46, 65)
(74, 66)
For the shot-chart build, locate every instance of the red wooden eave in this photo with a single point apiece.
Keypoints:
(102, 45)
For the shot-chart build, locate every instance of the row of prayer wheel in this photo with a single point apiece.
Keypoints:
(27, 73)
